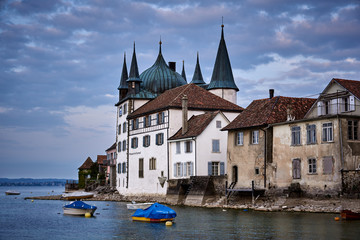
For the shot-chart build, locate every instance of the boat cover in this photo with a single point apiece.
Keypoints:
(156, 211)
(80, 205)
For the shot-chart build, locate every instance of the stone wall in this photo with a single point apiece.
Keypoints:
(351, 183)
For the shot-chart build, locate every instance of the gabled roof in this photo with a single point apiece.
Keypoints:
(111, 148)
(198, 99)
(100, 159)
(196, 125)
(352, 86)
(222, 76)
(87, 164)
(267, 111)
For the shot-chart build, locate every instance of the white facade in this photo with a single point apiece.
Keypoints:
(202, 155)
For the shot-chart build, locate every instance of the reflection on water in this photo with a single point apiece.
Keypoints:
(23, 219)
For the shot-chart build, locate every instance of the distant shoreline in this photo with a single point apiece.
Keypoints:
(33, 182)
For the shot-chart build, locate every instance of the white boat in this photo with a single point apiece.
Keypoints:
(79, 208)
(77, 195)
(133, 205)
(11, 192)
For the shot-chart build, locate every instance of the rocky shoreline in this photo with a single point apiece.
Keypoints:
(315, 205)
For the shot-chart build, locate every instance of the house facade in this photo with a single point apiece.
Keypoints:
(315, 152)
(110, 164)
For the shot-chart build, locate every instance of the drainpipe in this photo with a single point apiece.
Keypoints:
(341, 143)
(265, 155)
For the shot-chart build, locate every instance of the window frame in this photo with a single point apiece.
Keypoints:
(218, 124)
(215, 145)
(178, 147)
(239, 139)
(353, 130)
(152, 163)
(327, 132)
(124, 145)
(188, 147)
(141, 168)
(312, 166)
(255, 137)
(134, 142)
(146, 141)
(295, 136)
(311, 134)
(159, 139)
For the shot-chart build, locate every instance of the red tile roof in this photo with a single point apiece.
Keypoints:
(198, 99)
(352, 86)
(268, 111)
(196, 125)
(87, 164)
(100, 159)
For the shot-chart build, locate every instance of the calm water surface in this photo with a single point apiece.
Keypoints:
(24, 219)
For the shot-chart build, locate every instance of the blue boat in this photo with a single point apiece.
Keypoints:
(79, 208)
(154, 213)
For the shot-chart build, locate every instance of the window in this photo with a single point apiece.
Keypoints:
(327, 107)
(295, 135)
(119, 147)
(218, 124)
(216, 145)
(160, 118)
(216, 168)
(135, 124)
(327, 132)
(124, 127)
(188, 169)
(257, 171)
(255, 137)
(146, 141)
(311, 134)
(134, 142)
(178, 169)
(119, 167)
(328, 165)
(239, 140)
(124, 145)
(353, 130)
(312, 165)
(178, 151)
(147, 121)
(120, 111)
(345, 104)
(119, 129)
(124, 167)
(348, 104)
(141, 168)
(125, 108)
(152, 164)
(159, 138)
(188, 147)
(296, 168)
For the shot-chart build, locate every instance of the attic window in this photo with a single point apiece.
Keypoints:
(218, 124)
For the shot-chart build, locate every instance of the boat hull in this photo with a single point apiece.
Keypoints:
(77, 195)
(12, 193)
(78, 212)
(349, 215)
(144, 219)
(134, 206)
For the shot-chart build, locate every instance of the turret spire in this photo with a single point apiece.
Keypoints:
(134, 79)
(197, 77)
(183, 71)
(222, 76)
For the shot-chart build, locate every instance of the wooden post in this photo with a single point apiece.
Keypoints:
(252, 192)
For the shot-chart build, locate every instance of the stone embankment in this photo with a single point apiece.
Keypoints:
(321, 205)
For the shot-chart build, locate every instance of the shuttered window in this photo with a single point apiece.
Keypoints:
(296, 168)
(159, 138)
(216, 145)
(146, 141)
(134, 142)
(328, 165)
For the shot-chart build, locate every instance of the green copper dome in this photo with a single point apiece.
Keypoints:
(159, 77)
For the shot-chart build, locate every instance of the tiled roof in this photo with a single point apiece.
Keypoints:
(352, 86)
(196, 125)
(111, 148)
(100, 159)
(198, 99)
(268, 111)
(87, 164)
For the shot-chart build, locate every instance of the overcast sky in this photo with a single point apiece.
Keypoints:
(61, 62)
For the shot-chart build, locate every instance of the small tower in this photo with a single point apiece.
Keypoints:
(134, 80)
(197, 77)
(183, 72)
(222, 81)
(123, 87)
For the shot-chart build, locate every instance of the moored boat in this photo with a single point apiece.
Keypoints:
(77, 195)
(79, 208)
(11, 192)
(154, 213)
(350, 215)
(135, 206)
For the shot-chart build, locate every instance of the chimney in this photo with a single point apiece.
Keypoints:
(172, 66)
(271, 93)
(184, 114)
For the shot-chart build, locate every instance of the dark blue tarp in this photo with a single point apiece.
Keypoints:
(80, 205)
(156, 211)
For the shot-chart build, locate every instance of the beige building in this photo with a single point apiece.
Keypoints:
(311, 153)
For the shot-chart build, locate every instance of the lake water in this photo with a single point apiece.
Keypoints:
(43, 219)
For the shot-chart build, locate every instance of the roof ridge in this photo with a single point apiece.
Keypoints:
(178, 95)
